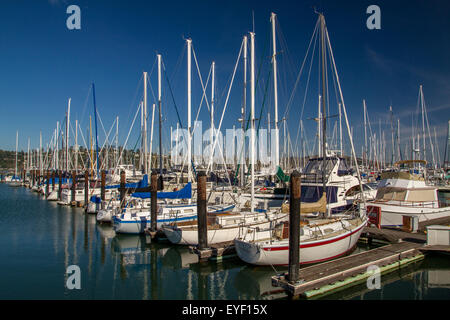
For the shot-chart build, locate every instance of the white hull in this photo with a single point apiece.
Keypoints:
(138, 222)
(276, 252)
(189, 235)
(392, 215)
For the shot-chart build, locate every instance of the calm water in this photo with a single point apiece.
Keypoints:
(40, 239)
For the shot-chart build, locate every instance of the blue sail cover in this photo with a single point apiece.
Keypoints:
(185, 193)
(63, 180)
(96, 199)
(141, 184)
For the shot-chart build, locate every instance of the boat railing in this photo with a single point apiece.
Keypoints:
(313, 177)
(416, 204)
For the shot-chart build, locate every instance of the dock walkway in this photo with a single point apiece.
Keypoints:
(336, 273)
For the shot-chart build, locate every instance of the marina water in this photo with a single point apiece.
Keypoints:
(41, 239)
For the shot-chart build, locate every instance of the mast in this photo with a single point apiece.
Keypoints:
(144, 137)
(392, 134)
(423, 124)
(324, 122)
(340, 129)
(28, 156)
(76, 146)
(57, 146)
(67, 136)
(189, 93)
(96, 133)
(160, 121)
(212, 110)
(275, 88)
(116, 160)
(365, 133)
(17, 142)
(319, 127)
(41, 167)
(252, 118)
(90, 146)
(244, 105)
(151, 137)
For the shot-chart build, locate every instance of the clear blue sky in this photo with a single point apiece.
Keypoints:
(43, 63)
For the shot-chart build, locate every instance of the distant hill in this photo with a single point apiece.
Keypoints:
(8, 160)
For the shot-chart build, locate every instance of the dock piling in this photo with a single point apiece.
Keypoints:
(201, 211)
(86, 189)
(102, 188)
(59, 184)
(294, 227)
(153, 200)
(122, 189)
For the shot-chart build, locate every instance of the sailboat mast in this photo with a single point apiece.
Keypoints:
(160, 119)
(340, 129)
(252, 118)
(324, 122)
(96, 133)
(67, 135)
(144, 137)
(365, 134)
(244, 105)
(189, 93)
(423, 124)
(212, 110)
(76, 146)
(41, 167)
(275, 89)
(17, 142)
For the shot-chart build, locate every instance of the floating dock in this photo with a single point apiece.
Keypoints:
(215, 252)
(404, 248)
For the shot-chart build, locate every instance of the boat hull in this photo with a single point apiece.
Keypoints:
(277, 252)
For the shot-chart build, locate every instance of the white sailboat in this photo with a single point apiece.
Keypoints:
(322, 236)
(222, 228)
(15, 180)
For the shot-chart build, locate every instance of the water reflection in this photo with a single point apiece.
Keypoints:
(41, 239)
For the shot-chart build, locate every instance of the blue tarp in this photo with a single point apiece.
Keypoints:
(63, 180)
(141, 184)
(96, 199)
(185, 193)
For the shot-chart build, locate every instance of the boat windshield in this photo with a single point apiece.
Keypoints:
(314, 193)
(315, 166)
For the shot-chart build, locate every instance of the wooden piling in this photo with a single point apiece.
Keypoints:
(294, 227)
(102, 187)
(86, 189)
(47, 185)
(201, 211)
(59, 184)
(153, 200)
(122, 189)
(74, 185)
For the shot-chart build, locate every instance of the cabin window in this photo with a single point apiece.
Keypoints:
(314, 193)
(398, 194)
(422, 195)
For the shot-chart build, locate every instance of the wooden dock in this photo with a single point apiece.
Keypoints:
(404, 248)
(392, 235)
(338, 274)
(215, 252)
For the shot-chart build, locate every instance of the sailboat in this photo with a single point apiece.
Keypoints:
(222, 228)
(322, 236)
(15, 180)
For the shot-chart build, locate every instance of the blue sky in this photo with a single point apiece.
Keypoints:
(43, 63)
